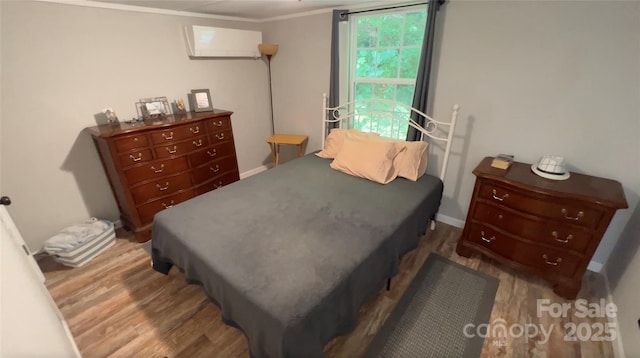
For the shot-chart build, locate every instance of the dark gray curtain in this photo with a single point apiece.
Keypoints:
(421, 94)
(334, 81)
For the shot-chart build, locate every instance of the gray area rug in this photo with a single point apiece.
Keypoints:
(429, 319)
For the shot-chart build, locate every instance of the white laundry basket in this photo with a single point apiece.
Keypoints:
(77, 244)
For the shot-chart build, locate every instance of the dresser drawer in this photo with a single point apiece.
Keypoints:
(211, 153)
(178, 133)
(552, 208)
(138, 156)
(216, 183)
(127, 143)
(147, 211)
(218, 124)
(155, 170)
(549, 261)
(220, 137)
(214, 169)
(157, 188)
(180, 148)
(565, 237)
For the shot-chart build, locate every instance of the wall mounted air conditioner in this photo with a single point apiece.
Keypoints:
(205, 41)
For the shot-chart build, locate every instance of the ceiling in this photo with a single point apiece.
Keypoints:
(250, 9)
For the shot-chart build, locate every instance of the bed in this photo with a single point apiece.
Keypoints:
(291, 254)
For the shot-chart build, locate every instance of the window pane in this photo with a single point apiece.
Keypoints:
(363, 90)
(391, 30)
(384, 91)
(414, 28)
(366, 63)
(409, 62)
(387, 63)
(404, 94)
(367, 32)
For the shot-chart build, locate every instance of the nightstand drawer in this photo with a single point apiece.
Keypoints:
(535, 257)
(565, 237)
(552, 208)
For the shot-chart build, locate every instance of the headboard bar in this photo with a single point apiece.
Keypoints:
(400, 112)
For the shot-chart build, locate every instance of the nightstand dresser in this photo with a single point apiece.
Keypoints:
(157, 164)
(539, 226)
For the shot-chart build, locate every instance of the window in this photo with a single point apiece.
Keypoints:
(385, 52)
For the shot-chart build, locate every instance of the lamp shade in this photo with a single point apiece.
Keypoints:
(268, 49)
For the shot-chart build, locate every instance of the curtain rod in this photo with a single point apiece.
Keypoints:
(388, 8)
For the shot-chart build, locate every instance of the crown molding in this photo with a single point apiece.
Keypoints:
(133, 8)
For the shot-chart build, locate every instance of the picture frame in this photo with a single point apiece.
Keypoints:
(112, 118)
(153, 107)
(200, 100)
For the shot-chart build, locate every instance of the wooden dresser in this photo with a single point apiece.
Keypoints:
(157, 164)
(540, 226)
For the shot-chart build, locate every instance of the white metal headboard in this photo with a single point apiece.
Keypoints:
(347, 111)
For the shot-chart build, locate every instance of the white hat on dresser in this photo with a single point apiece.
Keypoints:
(551, 167)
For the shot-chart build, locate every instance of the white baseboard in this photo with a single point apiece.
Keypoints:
(255, 171)
(593, 265)
(450, 221)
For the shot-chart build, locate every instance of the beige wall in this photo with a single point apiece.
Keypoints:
(61, 64)
(300, 73)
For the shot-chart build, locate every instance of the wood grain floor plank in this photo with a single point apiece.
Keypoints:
(117, 306)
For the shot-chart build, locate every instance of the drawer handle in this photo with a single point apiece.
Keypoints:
(485, 239)
(136, 159)
(552, 263)
(167, 137)
(216, 169)
(168, 206)
(220, 136)
(171, 151)
(163, 188)
(135, 139)
(217, 124)
(564, 241)
(194, 131)
(498, 198)
(212, 154)
(198, 143)
(219, 185)
(158, 170)
(576, 218)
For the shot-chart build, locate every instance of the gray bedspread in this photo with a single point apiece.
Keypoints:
(291, 254)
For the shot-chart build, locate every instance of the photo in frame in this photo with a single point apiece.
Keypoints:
(112, 118)
(200, 100)
(153, 107)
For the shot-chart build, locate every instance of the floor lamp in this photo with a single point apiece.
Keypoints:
(269, 50)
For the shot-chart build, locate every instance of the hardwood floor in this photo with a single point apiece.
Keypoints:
(118, 306)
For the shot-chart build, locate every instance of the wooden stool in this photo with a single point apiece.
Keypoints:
(293, 139)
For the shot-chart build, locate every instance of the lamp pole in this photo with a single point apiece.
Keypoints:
(273, 126)
(269, 50)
